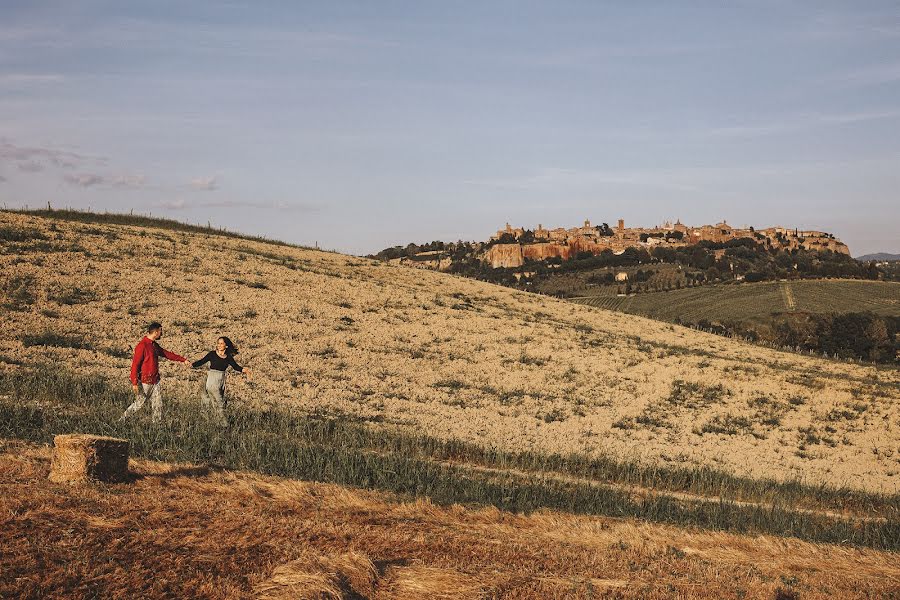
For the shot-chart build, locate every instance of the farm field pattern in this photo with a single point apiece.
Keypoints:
(756, 302)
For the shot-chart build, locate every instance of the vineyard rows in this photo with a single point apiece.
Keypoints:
(757, 301)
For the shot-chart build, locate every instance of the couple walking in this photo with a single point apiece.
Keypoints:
(145, 374)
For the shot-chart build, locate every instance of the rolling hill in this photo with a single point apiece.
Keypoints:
(880, 256)
(423, 351)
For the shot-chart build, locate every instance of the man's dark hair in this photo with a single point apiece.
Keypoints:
(153, 327)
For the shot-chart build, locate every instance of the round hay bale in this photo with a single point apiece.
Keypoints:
(79, 457)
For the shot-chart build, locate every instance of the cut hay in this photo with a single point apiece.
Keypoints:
(414, 581)
(78, 457)
(314, 576)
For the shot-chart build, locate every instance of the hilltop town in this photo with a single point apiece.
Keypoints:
(511, 247)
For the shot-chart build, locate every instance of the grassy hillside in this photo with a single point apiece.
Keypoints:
(400, 349)
(756, 302)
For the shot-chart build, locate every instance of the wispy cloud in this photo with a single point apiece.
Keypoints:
(83, 179)
(45, 155)
(131, 182)
(35, 159)
(241, 39)
(858, 23)
(796, 123)
(182, 204)
(204, 183)
(864, 76)
(591, 56)
(554, 178)
(174, 204)
(676, 178)
(30, 166)
(30, 78)
(17, 34)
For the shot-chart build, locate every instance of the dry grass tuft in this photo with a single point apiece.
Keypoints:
(288, 583)
(317, 576)
(419, 581)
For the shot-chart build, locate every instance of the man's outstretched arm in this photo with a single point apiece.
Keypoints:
(170, 355)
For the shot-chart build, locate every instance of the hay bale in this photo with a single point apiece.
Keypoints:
(79, 457)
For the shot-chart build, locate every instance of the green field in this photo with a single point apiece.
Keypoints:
(756, 302)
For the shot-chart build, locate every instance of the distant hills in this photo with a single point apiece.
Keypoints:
(879, 257)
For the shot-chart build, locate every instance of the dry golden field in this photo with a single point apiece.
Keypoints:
(452, 357)
(181, 531)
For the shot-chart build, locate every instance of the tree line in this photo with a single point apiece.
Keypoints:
(857, 335)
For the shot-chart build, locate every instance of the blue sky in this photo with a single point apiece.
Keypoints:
(360, 125)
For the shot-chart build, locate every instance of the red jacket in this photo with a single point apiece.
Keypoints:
(145, 366)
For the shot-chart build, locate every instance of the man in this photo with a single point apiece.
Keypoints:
(145, 372)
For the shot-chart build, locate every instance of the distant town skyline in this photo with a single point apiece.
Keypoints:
(360, 126)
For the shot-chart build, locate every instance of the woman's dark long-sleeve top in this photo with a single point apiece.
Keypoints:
(217, 363)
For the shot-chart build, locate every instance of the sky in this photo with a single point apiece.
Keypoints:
(362, 125)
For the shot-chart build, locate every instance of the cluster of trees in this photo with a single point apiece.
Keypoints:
(850, 335)
(668, 236)
(528, 236)
(456, 250)
(608, 277)
(471, 267)
(604, 230)
(858, 335)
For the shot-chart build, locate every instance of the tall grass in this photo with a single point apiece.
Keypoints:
(39, 403)
(105, 218)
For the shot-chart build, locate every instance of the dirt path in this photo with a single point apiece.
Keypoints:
(788, 294)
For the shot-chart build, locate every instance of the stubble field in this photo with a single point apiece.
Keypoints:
(186, 531)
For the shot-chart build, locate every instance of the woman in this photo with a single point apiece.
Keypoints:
(213, 396)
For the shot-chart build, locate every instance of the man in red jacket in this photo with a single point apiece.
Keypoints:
(145, 372)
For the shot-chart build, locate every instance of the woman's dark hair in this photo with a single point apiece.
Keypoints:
(230, 348)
